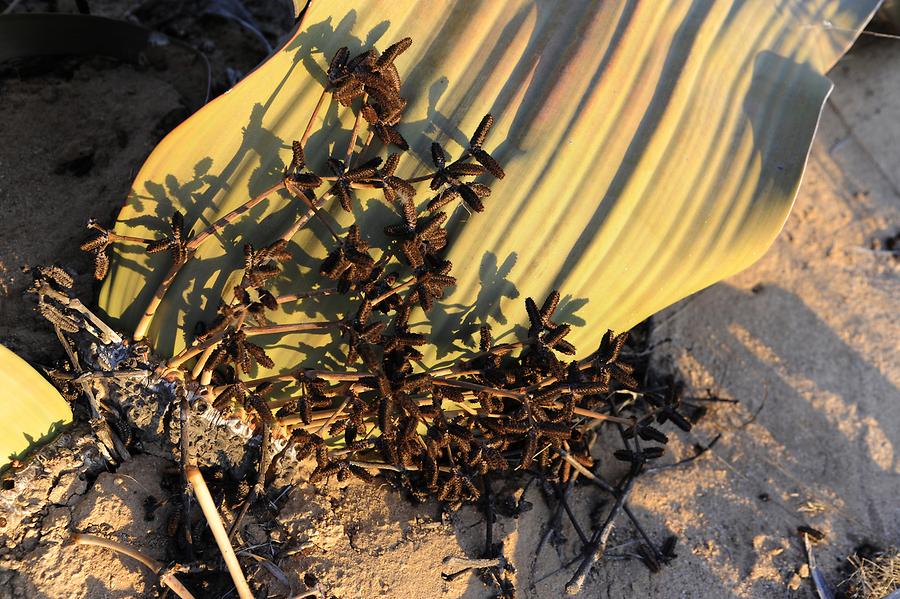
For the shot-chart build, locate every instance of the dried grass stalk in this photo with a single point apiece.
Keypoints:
(875, 577)
(168, 579)
(218, 529)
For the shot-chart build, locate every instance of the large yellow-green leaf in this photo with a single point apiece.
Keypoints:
(30, 408)
(652, 148)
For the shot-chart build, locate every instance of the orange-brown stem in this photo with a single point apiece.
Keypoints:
(405, 284)
(301, 222)
(421, 178)
(140, 331)
(294, 327)
(116, 237)
(478, 388)
(200, 370)
(176, 361)
(197, 371)
(204, 498)
(523, 397)
(129, 238)
(293, 297)
(366, 145)
(315, 210)
(232, 216)
(326, 375)
(360, 184)
(357, 124)
(334, 416)
(312, 118)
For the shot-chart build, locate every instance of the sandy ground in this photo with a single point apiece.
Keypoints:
(807, 340)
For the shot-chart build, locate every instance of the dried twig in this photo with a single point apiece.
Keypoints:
(597, 546)
(201, 491)
(166, 578)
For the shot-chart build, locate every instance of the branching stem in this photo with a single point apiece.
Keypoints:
(597, 546)
(144, 324)
(304, 219)
(176, 361)
(315, 210)
(232, 216)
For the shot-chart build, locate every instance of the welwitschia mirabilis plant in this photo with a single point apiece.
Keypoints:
(651, 149)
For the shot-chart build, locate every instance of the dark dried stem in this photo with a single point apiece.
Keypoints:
(564, 501)
(611, 490)
(488, 518)
(76, 365)
(103, 331)
(597, 546)
(555, 522)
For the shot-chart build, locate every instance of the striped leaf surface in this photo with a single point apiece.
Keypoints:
(652, 148)
(30, 408)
